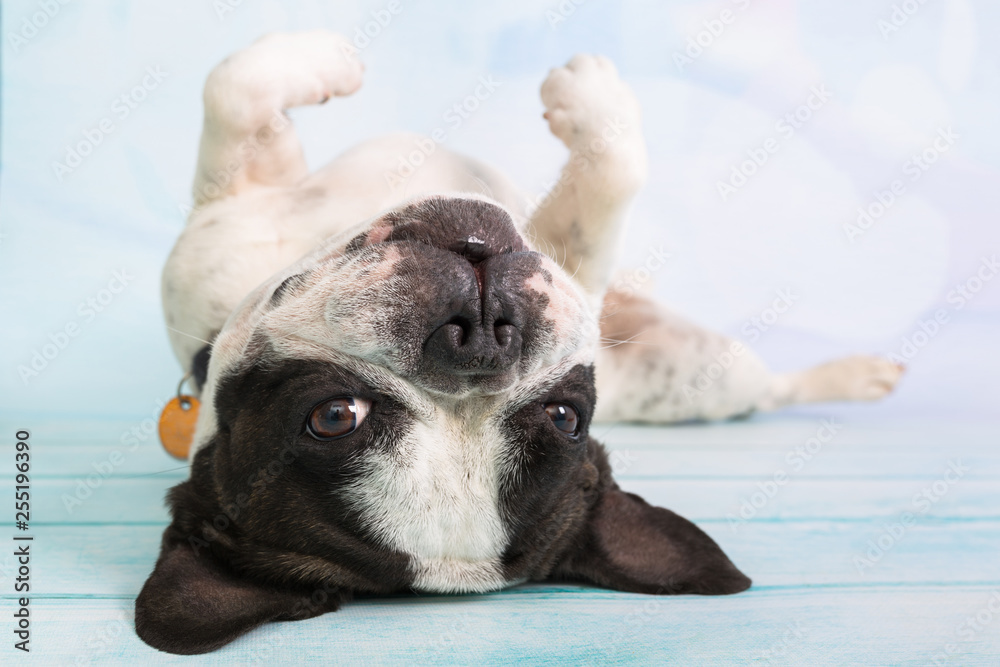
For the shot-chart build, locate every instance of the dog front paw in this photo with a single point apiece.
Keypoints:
(284, 70)
(313, 66)
(587, 105)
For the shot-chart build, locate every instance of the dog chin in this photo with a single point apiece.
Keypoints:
(448, 575)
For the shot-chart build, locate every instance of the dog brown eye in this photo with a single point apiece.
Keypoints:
(564, 416)
(337, 417)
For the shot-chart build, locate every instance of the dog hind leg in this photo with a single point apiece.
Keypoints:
(655, 367)
(857, 378)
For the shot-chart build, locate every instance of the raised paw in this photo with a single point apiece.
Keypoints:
(588, 106)
(285, 70)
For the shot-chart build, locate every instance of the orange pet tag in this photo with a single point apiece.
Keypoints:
(177, 425)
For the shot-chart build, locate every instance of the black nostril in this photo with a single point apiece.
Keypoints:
(455, 333)
(504, 332)
(476, 334)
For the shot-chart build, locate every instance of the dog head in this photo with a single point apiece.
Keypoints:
(405, 409)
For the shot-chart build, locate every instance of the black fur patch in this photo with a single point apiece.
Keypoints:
(261, 525)
(546, 500)
(199, 366)
(459, 316)
(287, 288)
(265, 528)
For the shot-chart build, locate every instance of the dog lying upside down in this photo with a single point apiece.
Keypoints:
(402, 374)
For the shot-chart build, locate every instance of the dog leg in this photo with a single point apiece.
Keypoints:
(656, 367)
(247, 138)
(247, 143)
(857, 378)
(579, 223)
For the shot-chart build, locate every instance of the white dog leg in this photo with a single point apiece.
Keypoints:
(247, 138)
(656, 367)
(858, 378)
(579, 224)
(229, 247)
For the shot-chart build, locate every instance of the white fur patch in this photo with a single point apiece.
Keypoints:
(435, 497)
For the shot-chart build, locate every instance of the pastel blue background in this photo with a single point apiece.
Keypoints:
(122, 208)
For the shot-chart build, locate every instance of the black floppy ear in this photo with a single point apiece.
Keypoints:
(630, 545)
(193, 604)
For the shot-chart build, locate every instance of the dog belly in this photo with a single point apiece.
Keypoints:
(386, 171)
(232, 245)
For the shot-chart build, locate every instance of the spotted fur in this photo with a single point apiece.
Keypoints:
(455, 318)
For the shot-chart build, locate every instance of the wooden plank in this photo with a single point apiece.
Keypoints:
(771, 431)
(750, 450)
(806, 499)
(115, 560)
(825, 592)
(575, 625)
(779, 431)
(833, 461)
(82, 460)
(121, 499)
(630, 461)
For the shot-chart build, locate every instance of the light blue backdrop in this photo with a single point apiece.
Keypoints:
(715, 78)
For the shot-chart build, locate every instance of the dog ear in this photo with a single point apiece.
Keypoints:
(630, 545)
(193, 604)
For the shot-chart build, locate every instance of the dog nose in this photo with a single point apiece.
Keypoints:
(473, 228)
(477, 313)
(478, 336)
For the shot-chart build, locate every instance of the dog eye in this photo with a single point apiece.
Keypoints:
(337, 417)
(564, 416)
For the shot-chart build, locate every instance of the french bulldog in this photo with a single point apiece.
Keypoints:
(398, 373)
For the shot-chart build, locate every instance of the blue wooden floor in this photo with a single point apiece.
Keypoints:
(838, 579)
